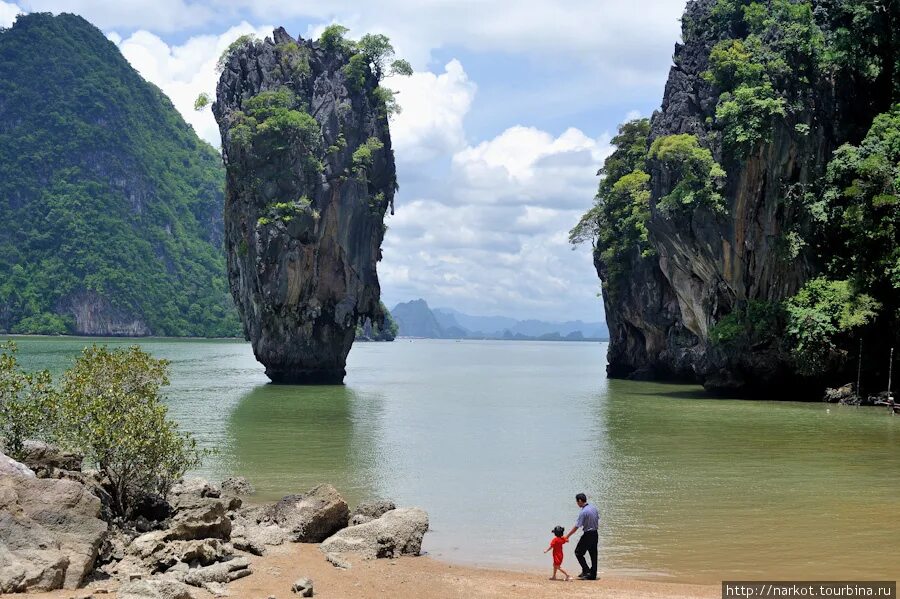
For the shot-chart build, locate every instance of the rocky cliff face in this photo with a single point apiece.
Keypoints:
(310, 174)
(706, 263)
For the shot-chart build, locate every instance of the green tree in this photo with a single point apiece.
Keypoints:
(111, 410)
(27, 403)
(697, 178)
(617, 222)
(819, 319)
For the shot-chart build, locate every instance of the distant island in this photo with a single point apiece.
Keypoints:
(416, 319)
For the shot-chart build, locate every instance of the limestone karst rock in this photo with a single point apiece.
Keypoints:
(310, 175)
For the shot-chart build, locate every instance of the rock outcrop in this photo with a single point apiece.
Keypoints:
(50, 533)
(703, 264)
(314, 516)
(310, 174)
(397, 532)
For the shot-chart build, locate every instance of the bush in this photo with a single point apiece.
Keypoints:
(749, 324)
(697, 178)
(821, 312)
(244, 40)
(364, 154)
(27, 403)
(109, 408)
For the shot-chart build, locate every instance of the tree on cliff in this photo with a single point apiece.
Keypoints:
(752, 234)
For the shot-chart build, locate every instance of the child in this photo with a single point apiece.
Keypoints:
(556, 545)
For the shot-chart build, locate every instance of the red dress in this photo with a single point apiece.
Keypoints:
(557, 543)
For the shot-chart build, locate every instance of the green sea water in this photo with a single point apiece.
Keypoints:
(494, 438)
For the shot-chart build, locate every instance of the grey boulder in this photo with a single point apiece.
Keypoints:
(10, 467)
(237, 485)
(397, 532)
(313, 516)
(303, 587)
(50, 533)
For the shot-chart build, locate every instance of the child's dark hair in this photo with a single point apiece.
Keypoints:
(558, 530)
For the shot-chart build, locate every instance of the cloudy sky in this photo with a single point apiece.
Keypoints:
(504, 124)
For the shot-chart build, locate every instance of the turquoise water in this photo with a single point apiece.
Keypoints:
(494, 438)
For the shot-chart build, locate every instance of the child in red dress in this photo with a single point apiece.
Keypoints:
(556, 545)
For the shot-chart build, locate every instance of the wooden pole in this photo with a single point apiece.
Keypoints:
(890, 366)
(859, 371)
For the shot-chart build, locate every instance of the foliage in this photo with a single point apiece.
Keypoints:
(240, 42)
(27, 402)
(387, 99)
(112, 194)
(617, 223)
(763, 67)
(364, 155)
(749, 324)
(818, 315)
(697, 178)
(332, 38)
(202, 101)
(111, 410)
(285, 212)
(274, 121)
(862, 200)
(371, 331)
(746, 115)
(294, 59)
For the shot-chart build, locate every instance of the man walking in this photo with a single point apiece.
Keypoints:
(588, 519)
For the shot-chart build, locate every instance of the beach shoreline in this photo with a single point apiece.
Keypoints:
(410, 578)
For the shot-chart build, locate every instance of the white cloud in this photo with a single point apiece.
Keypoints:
(433, 108)
(493, 237)
(524, 165)
(8, 13)
(184, 71)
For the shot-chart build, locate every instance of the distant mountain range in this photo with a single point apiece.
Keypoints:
(416, 319)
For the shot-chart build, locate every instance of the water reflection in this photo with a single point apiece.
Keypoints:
(712, 489)
(290, 438)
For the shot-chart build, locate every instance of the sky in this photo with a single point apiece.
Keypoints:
(504, 123)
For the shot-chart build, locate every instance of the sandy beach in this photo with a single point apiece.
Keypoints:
(410, 578)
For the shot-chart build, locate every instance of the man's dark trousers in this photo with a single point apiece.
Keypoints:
(587, 544)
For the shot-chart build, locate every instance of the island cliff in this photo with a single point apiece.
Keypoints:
(310, 174)
(742, 239)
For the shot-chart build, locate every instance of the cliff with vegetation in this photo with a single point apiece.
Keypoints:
(110, 203)
(310, 175)
(747, 235)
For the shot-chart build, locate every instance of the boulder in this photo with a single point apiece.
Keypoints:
(198, 487)
(158, 554)
(398, 532)
(303, 587)
(46, 460)
(370, 510)
(10, 467)
(373, 509)
(198, 517)
(47, 526)
(314, 516)
(337, 561)
(154, 588)
(237, 485)
(222, 572)
(844, 394)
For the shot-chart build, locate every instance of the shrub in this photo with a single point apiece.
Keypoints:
(697, 178)
(27, 403)
(111, 410)
(202, 101)
(364, 154)
(750, 323)
(240, 42)
(332, 38)
(818, 315)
